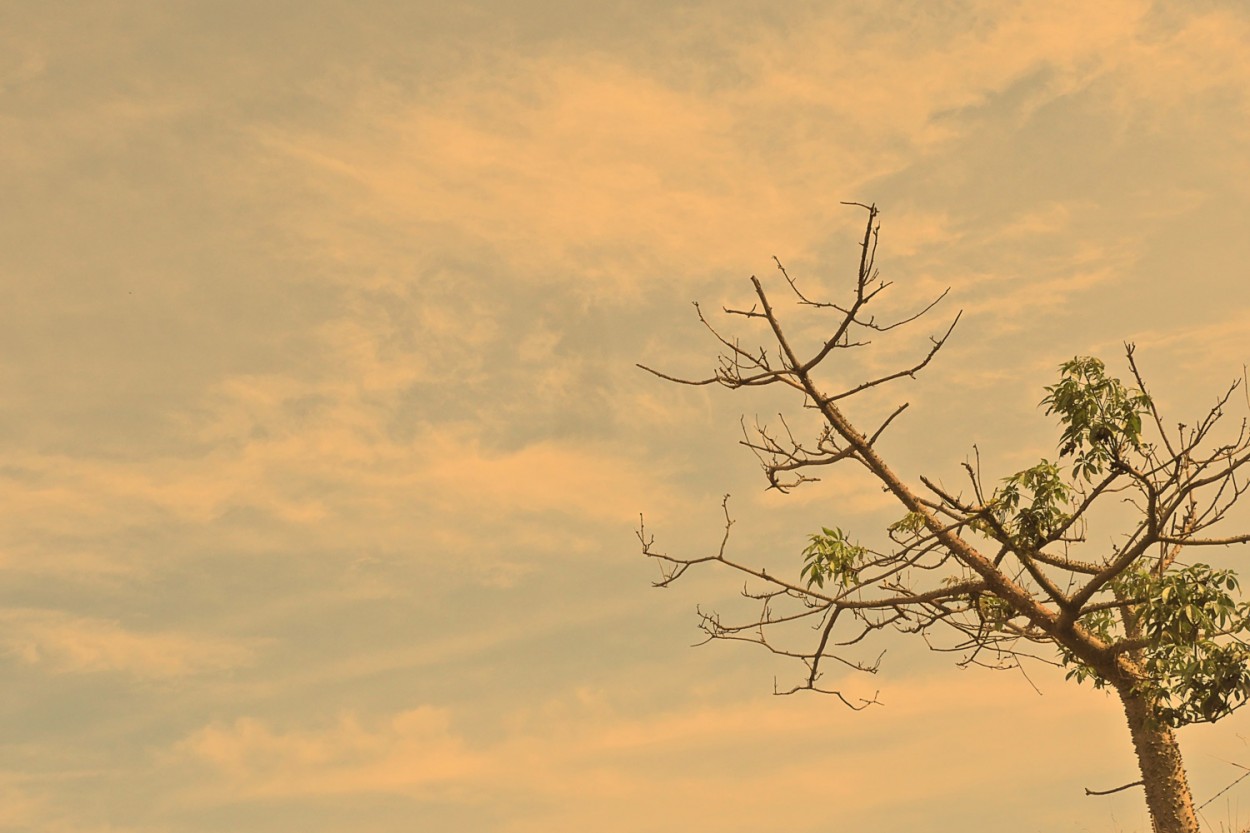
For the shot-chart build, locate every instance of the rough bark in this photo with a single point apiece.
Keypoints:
(1162, 770)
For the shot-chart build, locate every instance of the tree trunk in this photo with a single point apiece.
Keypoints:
(1162, 770)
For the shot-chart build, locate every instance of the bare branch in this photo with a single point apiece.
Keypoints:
(1088, 791)
(909, 372)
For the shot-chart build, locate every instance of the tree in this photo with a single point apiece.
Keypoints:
(1005, 566)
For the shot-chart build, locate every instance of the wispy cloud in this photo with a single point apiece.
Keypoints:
(409, 752)
(64, 643)
(595, 762)
(581, 157)
(322, 328)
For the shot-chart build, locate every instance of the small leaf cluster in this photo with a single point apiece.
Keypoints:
(1101, 417)
(1195, 678)
(1207, 684)
(1033, 520)
(908, 526)
(992, 610)
(1188, 603)
(829, 555)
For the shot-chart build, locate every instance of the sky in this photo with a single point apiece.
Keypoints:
(324, 448)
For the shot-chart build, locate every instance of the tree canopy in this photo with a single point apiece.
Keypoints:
(1007, 565)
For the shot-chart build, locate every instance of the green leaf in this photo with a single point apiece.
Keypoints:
(1101, 417)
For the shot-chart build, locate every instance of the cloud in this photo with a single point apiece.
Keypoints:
(409, 752)
(609, 177)
(582, 759)
(64, 643)
(1195, 346)
(26, 803)
(1176, 60)
(578, 157)
(543, 477)
(430, 383)
(21, 808)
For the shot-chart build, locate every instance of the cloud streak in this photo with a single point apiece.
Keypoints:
(596, 763)
(63, 643)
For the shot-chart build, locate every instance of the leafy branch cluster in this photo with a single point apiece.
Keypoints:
(1101, 417)
(1180, 622)
(831, 556)
(1189, 631)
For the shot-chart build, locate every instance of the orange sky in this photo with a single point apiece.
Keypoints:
(324, 444)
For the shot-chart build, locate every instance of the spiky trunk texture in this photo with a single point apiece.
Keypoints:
(1162, 770)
